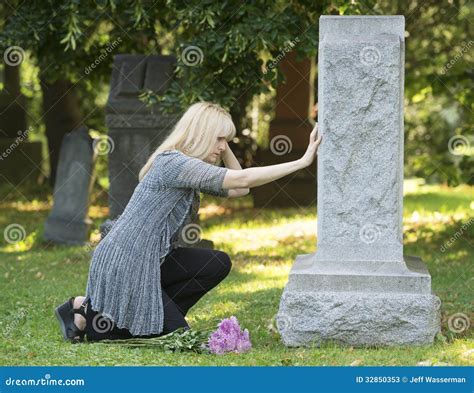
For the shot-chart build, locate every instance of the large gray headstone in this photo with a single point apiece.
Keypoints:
(135, 130)
(68, 222)
(359, 288)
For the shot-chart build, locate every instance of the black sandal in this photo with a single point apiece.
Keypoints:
(65, 314)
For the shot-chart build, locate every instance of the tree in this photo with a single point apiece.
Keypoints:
(228, 42)
(438, 88)
(64, 38)
(228, 51)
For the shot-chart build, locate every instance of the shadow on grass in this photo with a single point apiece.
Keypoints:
(447, 250)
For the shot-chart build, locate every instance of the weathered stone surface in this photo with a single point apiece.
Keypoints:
(358, 288)
(308, 274)
(360, 166)
(68, 222)
(357, 318)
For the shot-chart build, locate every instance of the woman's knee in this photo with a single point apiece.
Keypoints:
(225, 263)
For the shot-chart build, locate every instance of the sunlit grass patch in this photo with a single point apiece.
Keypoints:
(263, 244)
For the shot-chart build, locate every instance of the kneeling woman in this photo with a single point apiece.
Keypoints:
(140, 283)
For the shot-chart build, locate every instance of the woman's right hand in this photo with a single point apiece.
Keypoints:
(312, 150)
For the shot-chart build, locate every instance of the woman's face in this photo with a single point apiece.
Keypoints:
(219, 147)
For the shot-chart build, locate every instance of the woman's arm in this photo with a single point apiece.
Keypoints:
(231, 162)
(253, 177)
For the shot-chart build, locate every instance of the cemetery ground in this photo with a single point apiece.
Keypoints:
(263, 244)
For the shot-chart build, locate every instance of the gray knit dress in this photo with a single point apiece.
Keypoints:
(124, 276)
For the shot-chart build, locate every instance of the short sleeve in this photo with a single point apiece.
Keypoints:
(181, 171)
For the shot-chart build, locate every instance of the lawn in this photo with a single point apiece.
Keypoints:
(263, 244)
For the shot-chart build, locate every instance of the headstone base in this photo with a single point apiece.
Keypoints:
(358, 308)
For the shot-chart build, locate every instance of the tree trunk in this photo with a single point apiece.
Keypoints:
(12, 102)
(61, 114)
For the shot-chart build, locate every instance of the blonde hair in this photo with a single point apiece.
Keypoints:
(196, 132)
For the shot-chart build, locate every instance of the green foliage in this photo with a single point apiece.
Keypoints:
(438, 87)
(149, 97)
(229, 52)
(229, 58)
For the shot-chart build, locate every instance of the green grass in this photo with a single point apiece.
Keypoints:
(263, 244)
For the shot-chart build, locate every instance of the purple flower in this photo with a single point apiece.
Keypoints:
(229, 337)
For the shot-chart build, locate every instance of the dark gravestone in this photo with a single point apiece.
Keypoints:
(135, 130)
(68, 222)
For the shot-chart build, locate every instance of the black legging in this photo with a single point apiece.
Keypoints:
(187, 274)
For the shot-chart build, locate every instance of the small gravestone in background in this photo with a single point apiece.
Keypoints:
(68, 222)
(359, 288)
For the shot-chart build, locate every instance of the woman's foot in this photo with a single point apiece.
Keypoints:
(71, 316)
(79, 320)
